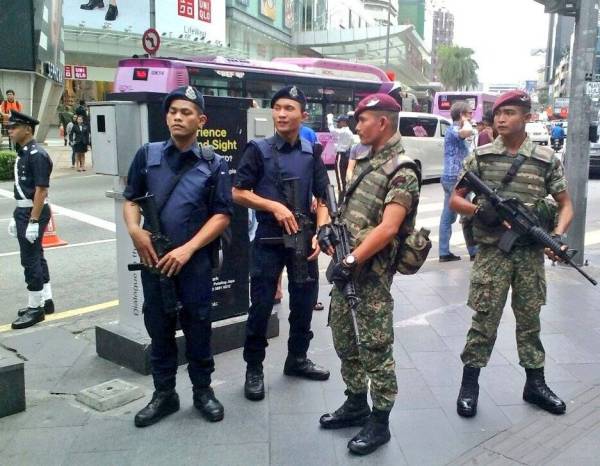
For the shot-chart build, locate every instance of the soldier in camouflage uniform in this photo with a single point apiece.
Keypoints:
(522, 269)
(382, 204)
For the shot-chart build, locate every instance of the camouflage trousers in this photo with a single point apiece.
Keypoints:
(494, 272)
(374, 360)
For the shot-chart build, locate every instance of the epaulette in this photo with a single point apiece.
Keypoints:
(545, 154)
(400, 161)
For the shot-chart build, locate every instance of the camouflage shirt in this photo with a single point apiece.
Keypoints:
(541, 174)
(363, 210)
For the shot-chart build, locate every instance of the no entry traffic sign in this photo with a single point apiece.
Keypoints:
(151, 41)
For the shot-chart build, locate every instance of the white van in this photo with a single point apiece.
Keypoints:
(423, 139)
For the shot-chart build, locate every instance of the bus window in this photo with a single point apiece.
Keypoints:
(215, 82)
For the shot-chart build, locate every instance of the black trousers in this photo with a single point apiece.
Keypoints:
(267, 263)
(161, 328)
(341, 167)
(34, 264)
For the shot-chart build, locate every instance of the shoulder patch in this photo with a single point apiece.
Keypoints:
(545, 154)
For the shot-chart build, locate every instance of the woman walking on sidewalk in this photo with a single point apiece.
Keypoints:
(80, 138)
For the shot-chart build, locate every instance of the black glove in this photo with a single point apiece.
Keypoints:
(487, 215)
(339, 274)
(326, 237)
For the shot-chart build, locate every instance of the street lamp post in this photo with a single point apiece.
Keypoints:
(387, 37)
(578, 145)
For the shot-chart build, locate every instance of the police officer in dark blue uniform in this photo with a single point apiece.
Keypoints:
(192, 189)
(258, 185)
(32, 180)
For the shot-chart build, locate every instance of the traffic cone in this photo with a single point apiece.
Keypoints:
(51, 238)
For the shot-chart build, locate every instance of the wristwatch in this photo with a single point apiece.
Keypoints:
(350, 261)
(34, 220)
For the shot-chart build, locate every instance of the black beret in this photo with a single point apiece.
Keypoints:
(290, 92)
(189, 93)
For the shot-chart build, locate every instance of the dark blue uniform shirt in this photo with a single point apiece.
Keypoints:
(33, 168)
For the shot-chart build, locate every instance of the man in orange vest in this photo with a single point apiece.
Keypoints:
(8, 106)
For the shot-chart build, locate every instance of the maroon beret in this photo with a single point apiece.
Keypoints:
(516, 97)
(377, 102)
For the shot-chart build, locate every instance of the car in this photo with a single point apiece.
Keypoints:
(423, 139)
(537, 132)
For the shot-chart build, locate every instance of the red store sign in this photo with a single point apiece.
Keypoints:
(76, 72)
(185, 8)
(204, 13)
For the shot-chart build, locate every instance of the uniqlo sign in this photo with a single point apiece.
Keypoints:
(204, 10)
(68, 72)
(80, 72)
(185, 8)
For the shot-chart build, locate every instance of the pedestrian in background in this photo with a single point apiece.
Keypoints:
(80, 138)
(456, 148)
(68, 132)
(30, 218)
(259, 185)
(380, 203)
(11, 104)
(514, 167)
(343, 140)
(183, 178)
(485, 129)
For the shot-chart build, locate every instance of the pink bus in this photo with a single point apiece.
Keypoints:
(481, 102)
(331, 86)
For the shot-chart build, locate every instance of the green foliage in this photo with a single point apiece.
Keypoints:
(7, 162)
(458, 69)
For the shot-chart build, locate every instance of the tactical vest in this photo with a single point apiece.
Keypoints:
(362, 211)
(184, 212)
(278, 166)
(529, 184)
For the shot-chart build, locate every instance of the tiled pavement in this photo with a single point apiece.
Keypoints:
(431, 320)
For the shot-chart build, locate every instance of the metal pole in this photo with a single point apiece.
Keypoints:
(387, 39)
(153, 14)
(577, 157)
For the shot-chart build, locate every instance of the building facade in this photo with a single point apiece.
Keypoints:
(412, 12)
(442, 34)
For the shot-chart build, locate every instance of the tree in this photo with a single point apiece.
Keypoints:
(458, 70)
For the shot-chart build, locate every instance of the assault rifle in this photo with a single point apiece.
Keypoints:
(522, 223)
(342, 249)
(298, 243)
(162, 245)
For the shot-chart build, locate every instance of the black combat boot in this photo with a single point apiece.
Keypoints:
(301, 366)
(91, 4)
(30, 316)
(162, 404)
(354, 412)
(375, 433)
(254, 388)
(112, 13)
(466, 404)
(537, 392)
(206, 402)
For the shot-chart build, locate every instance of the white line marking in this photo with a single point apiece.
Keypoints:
(85, 218)
(58, 248)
